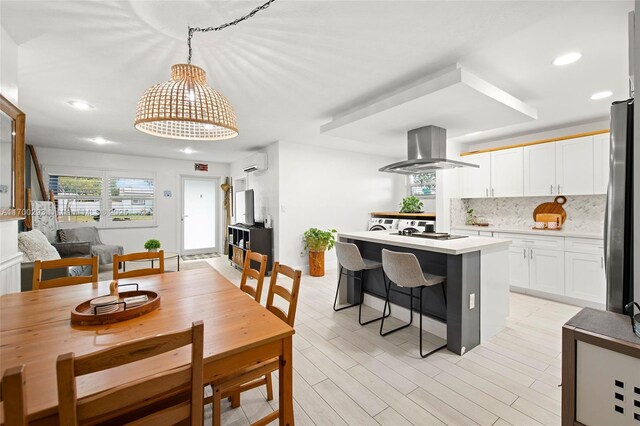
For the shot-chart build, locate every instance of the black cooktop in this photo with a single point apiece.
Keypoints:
(432, 235)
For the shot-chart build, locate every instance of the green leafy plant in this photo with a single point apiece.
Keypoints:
(411, 205)
(318, 240)
(152, 244)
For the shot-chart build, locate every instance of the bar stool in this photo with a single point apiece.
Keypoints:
(404, 270)
(351, 261)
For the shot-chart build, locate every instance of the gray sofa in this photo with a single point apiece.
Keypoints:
(90, 234)
(78, 249)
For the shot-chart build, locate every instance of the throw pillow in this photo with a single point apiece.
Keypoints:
(35, 246)
(62, 236)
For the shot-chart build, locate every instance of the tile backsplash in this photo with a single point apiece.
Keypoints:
(584, 212)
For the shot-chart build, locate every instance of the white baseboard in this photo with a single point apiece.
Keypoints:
(558, 298)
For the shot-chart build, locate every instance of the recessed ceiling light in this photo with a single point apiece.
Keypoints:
(187, 150)
(601, 95)
(567, 59)
(100, 141)
(473, 133)
(81, 105)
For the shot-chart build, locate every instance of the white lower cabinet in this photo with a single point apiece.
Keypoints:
(519, 266)
(584, 276)
(567, 268)
(546, 271)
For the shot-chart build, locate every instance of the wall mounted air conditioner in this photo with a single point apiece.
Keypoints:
(255, 163)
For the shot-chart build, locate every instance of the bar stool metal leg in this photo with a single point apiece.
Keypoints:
(384, 314)
(423, 355)
(335, 300)
(386, 302)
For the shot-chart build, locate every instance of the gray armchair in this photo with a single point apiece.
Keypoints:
(90, 234)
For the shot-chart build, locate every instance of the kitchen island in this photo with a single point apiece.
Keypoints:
(477, 271)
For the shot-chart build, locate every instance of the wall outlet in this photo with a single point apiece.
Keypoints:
(472, 301)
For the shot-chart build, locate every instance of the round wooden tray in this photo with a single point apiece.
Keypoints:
(82, 314)
(554, 207)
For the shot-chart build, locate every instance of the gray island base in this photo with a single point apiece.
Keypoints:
(477, 271)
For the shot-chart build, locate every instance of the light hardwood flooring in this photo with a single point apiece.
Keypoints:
(348, 374)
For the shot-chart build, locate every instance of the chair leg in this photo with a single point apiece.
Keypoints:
(335, 300)
(235, 400)
(386, 302)
(423, 355)
(267, 377)
(384, 314)
(215, 414)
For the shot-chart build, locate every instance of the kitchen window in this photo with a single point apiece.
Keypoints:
(103, 198)
(423, 185)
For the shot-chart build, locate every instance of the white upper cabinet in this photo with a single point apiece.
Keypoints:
(476, 183)
(601, 146)
(540, 169)
(506, 173)
(574, 166)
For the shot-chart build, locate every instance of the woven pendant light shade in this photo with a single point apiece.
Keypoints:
(185, 107)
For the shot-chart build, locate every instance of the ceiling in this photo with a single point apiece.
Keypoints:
(297, 64)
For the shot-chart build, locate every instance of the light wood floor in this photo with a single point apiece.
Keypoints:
(348, 374)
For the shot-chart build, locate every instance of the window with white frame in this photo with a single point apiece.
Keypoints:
(423, 185)
(107, 198)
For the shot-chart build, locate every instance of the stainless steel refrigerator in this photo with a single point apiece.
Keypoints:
(618, 227)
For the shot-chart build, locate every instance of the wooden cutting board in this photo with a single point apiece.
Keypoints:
(554, 207)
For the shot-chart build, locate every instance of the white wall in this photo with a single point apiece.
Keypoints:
(327, 188)
(168, 209)
(265, 188)
(8, 67)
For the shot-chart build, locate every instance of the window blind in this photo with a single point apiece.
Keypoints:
(77, 198)
(130, 199)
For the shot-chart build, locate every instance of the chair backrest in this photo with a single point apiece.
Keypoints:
(257, 274)
(402, 268)
(40, 265)
(13, 396)
(349, 256)
(290, 296)
(135, 396)
(150, 256)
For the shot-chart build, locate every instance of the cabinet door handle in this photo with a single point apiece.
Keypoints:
(524, 253)
(601, 262)
(551, 189)
(487, 191)
(492, 193)
(558, 189)
(531, 253)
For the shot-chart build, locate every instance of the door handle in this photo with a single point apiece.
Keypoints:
(558, 189)
(551, 189)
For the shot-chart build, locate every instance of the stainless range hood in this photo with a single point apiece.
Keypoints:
(426, 152)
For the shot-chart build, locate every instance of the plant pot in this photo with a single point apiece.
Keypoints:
(316, 263)
(152, 250)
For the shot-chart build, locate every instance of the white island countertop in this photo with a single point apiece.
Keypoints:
(595, 234)
(454, 247)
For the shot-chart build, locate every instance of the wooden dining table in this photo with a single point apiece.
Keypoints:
(35, 328)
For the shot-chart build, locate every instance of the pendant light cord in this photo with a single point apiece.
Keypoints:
(223, 26)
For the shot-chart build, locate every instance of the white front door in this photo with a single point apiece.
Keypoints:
(199, 215)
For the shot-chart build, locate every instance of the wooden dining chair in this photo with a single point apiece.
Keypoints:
(155, 400)
(41, 265)
(13, 396)
(232, 385)
(150, 256)
(256, 274)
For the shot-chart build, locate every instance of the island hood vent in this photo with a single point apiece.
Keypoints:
(426, 152)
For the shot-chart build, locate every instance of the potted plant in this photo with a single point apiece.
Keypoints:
(316, 241)
(152, 245)
(411, 205)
